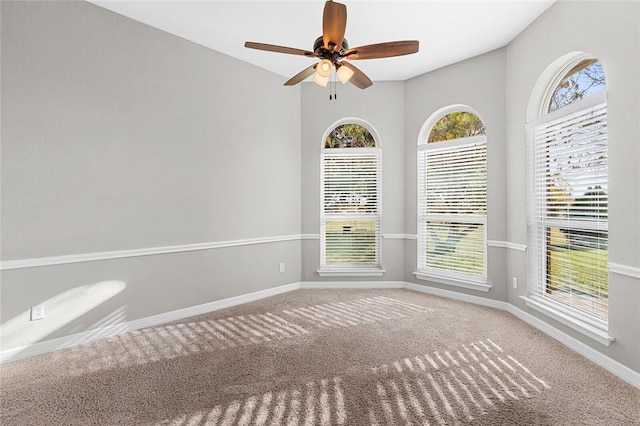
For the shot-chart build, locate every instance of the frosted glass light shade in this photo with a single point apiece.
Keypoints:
(344, 74)
(324, 68)
(321, 81)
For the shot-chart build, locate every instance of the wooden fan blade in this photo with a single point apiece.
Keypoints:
(334, 24)
(383, 50)
(359, 79)
(279, 49)
(307, 72)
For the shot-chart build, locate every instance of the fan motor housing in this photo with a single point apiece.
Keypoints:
(318, 47)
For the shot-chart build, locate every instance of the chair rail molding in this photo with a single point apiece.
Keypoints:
(119, 254)
(507, 244)
(620, 269)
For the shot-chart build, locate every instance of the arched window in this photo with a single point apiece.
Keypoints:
(584, 79)
(452, 197)
(350, 200)
(568, 186)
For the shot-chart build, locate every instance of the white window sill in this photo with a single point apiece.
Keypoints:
(351, 272)
(473, 285)
(563, 316)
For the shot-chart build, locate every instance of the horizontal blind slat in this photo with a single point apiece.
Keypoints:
(452, 208)
(351, 234)
(570, 209)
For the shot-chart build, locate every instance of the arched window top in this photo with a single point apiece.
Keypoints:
(582, 80)
(350, 135)
(456, 125)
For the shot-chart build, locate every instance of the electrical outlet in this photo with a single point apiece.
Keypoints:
(515, 282)
(282, 267)
(37, 312)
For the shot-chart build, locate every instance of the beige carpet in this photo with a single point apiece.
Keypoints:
(322, 357)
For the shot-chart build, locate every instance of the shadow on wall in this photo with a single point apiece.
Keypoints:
(61, 310)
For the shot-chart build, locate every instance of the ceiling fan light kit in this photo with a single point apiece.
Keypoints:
(324, 68)
(320, 80)
(344, 73)
(332, 58)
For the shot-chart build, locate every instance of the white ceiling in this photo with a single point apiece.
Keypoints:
(448, 31)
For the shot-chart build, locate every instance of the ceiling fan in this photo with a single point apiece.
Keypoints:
(333, 51)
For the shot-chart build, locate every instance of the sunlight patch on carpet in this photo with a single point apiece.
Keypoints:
(319, 402)
(175, 340)
(355, 312)
(451, 386)
(179, 339)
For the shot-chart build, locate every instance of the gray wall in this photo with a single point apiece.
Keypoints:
(499, 85)
(118, 136)
(611, 32)
(382, 106)
(479, 84)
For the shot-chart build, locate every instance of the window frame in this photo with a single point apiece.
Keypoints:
(441, 275)
(536, 298)
(571, 61)
(355, 269)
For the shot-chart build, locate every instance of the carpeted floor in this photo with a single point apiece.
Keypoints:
(322, 357)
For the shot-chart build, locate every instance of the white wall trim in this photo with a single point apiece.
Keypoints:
(599, 335)
(119, 254)
(351, 272)
(457, 282)
(623, 372)
(476, 300)
(620, 269)
(352, 284)
(113, 330)
(506, 244)
(400, 236)
(310, 236)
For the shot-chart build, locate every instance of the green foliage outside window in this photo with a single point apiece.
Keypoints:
(351, 242)
(350, 136)
(459, 124)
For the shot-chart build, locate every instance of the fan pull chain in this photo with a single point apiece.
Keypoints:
(335, 87)
(333, 96)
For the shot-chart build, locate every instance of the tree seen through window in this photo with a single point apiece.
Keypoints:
(585, 79)
(350, 136)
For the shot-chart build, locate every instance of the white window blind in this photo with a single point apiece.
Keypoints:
(351, 235)
(568, 211)
(452, 207)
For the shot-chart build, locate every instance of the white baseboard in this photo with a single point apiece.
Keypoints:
(476, 300)
(625, 373)
(113, 330)
(352, 284)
